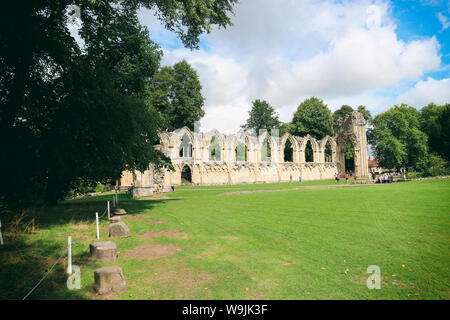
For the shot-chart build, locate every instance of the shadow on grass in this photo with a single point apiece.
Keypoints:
(83, 210)
(23, 265)
(25, 258)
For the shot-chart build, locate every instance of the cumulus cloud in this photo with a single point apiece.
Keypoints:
(287, 51)
(424, 92)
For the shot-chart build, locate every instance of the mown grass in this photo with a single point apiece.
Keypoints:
(292, 244)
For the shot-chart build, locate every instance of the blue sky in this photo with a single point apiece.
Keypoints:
(371, 52)
(419, 18)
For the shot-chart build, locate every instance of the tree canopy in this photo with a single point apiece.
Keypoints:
(397, 138)
(435, 122)
(262, 116)
(312, 117)
(365, 112)
(70, 113)
(346, 109)
(176, 94)
(342, 112)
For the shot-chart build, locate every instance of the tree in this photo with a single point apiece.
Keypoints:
(342, 112)
(176, 94)
(312, 117)
(397, 138)
(365, 112)
(435, 121)
(69, 114)
(262, 116)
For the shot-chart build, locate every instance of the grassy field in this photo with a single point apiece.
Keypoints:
(314, 242)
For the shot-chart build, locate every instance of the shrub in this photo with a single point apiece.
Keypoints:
(99, 188)
(433, 165)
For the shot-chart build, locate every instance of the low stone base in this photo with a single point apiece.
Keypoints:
(109, 280)
(115, 219)
(119, 212)
(139, 192)
(104, 251)
(119, 230)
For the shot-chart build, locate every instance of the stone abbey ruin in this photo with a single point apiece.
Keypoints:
(214, 158)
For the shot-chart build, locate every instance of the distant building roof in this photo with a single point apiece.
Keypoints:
(372, 162)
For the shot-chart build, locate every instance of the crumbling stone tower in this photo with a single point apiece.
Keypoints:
(352, 127)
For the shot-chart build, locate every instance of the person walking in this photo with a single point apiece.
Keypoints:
(338, 177)
(355, 176)
(346, 177)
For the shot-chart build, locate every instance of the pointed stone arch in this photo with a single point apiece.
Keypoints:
(182, 136)
(219, 146)
(186, 174)
(322, 149)
(314, 146)
(265, 148)
(295, 147)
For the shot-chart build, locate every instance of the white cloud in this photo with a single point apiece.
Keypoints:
(443, 20)
(287, 51)
(424, 92)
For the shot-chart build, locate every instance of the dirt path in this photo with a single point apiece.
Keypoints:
(296, 188)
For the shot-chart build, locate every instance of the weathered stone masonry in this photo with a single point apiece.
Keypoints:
(240, 158)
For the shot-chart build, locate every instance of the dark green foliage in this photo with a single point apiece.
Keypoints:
(433, 165)
(262, 116)
(328, 152)
(176, 94)
(69, 114)
(397, 138)
(312, 117)
(186, 174)
(365, 112)
(309, 154)
(435, 122)
(342, 112)
(288, 152)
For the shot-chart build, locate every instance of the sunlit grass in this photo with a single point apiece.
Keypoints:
(298, 243)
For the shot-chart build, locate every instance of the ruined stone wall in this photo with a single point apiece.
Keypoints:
(213, 158)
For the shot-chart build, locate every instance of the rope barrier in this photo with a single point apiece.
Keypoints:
(59, 258)
(104, 212)
(45, 276)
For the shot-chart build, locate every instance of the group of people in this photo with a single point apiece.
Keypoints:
(348, 174)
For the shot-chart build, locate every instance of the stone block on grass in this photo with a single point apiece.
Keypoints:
(119, 212)
(119, 230)
(104, 251)
(109, 280)
(115, 219)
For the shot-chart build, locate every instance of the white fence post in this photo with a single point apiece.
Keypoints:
(98, 230)
(69, 255)
(1, 237)
(109, 215)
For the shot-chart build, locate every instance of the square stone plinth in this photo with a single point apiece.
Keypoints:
(119, 230)
(104, 251)
(109, 280)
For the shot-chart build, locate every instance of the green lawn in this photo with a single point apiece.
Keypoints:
(311, 243)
